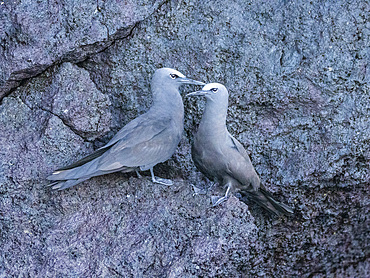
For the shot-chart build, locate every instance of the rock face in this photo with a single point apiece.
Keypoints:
(37, 35)
(72, 74)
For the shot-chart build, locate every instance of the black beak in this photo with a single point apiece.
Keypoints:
(186, 80)
(198, 93)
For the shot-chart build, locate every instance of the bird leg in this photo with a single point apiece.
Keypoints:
(138, 174)
(160, 180)
(216, 200)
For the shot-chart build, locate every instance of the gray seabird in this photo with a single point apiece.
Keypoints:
(220, 157)
(147, 140)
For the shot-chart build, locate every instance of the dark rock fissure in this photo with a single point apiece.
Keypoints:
(121, 34)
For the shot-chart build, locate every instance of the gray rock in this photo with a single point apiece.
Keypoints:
(37, 35)
(71, 96)
(64, 112)
(298, 76)
(121, 227)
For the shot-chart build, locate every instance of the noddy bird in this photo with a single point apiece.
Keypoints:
(147, 140)
(221, 158)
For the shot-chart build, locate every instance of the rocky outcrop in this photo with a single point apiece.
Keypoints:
(37, 35)
(72, 74)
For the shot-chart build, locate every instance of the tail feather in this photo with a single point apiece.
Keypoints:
(64, 184)
(67, 181)
(265, 200)
(86, 159)
(82, 168)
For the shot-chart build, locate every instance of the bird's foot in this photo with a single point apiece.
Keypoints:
(216, 200)
(199, 191)
(162, 181)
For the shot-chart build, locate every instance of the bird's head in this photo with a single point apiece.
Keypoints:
(212, 91)
(172, 77)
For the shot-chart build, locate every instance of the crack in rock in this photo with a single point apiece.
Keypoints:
(79, 54)
(70, 127)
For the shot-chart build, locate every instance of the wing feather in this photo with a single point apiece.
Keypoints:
(142, 142)
(139, 130)
(240, 166)
(144, 154)
(86, 159)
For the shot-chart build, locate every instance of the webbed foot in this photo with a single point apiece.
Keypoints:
(199, 191)
(216, 200)
(162, 181)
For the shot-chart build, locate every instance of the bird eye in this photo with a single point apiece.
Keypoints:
(214, 90)
(174, 76)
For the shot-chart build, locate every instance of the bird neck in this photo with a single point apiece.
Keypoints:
(214, 118)
(168, 100)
